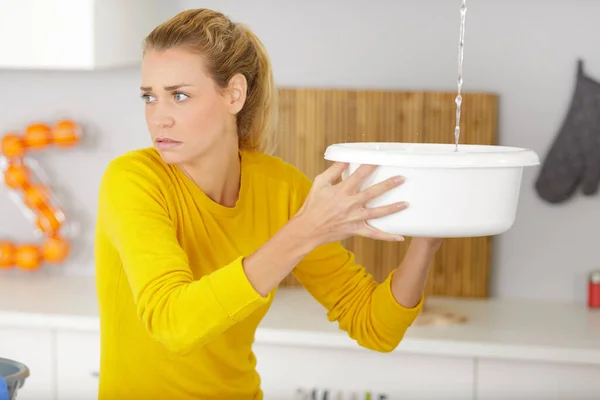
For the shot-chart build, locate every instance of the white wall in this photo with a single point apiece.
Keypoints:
(108, 104)
(374, 44)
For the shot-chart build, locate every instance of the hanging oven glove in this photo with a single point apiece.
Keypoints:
(574, 157)
(590, 182)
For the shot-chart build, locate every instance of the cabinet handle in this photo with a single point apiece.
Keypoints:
(95, 374)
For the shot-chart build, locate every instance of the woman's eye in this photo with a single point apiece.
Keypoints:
(180, 96)
(147, 98)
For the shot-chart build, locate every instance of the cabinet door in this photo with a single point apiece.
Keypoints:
(74, 34)
(77, 365)
(398, 375)
(501, 380)
(34, 348)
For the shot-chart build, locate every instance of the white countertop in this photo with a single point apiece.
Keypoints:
(527, 330)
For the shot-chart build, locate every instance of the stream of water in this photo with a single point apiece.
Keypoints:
(458, 100)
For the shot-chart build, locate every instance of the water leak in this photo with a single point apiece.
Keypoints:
(458, 100)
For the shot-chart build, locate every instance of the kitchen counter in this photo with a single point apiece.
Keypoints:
(501, 329)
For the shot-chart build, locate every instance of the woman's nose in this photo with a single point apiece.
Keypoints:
(164, 122)
(161, 118)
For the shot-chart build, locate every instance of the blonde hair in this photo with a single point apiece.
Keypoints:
(228, 48)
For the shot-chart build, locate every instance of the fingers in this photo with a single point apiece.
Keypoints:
(381, 211)
(378, 212)
(379, 188)
(372, 233)
(332, 174)
(358, 176)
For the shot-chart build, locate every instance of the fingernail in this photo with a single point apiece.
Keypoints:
(400, 239)
(403, 204)
(399, 179)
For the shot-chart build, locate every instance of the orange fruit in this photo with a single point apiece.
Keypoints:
(7, 254)
(37, 136)
(17, 176)
(36, 196)
(28, 257)
(47, 220)
(13, 146)
(55, 249)
(65, 133)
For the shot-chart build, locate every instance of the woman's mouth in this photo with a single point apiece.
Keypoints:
(165, 143)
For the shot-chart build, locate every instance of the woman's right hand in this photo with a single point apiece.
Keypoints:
(335, 211)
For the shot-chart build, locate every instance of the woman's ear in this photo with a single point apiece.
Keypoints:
(236, 93)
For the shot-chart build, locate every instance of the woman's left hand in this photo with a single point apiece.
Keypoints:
(411, 275)
(430, 242)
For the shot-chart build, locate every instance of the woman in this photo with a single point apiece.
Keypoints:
(195, 233)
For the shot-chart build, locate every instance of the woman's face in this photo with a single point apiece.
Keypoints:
(186, 113)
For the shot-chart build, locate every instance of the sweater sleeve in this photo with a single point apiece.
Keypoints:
(176, 309)
(365, 309)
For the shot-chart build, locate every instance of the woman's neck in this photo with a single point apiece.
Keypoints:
(218, 175)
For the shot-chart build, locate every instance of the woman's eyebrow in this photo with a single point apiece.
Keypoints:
(168, 88)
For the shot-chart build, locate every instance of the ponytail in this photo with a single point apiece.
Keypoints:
(257, 121)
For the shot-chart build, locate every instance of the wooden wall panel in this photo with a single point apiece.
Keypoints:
(312, 119)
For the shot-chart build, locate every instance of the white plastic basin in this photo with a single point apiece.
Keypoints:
(468, 193)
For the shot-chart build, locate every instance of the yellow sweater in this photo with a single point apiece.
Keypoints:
(177, 313)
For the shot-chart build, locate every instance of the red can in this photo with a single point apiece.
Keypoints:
(594, 289)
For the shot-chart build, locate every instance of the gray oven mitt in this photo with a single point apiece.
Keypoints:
(574, 157)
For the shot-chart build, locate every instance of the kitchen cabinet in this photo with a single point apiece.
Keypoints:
(77, 365)
(506, 379)
(506, 349)
(398, 375)
(34, 348)
(64, 365)
(74, 34)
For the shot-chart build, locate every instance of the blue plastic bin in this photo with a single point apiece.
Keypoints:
(12, 378)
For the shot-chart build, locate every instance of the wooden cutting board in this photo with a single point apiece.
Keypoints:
(312, 119)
